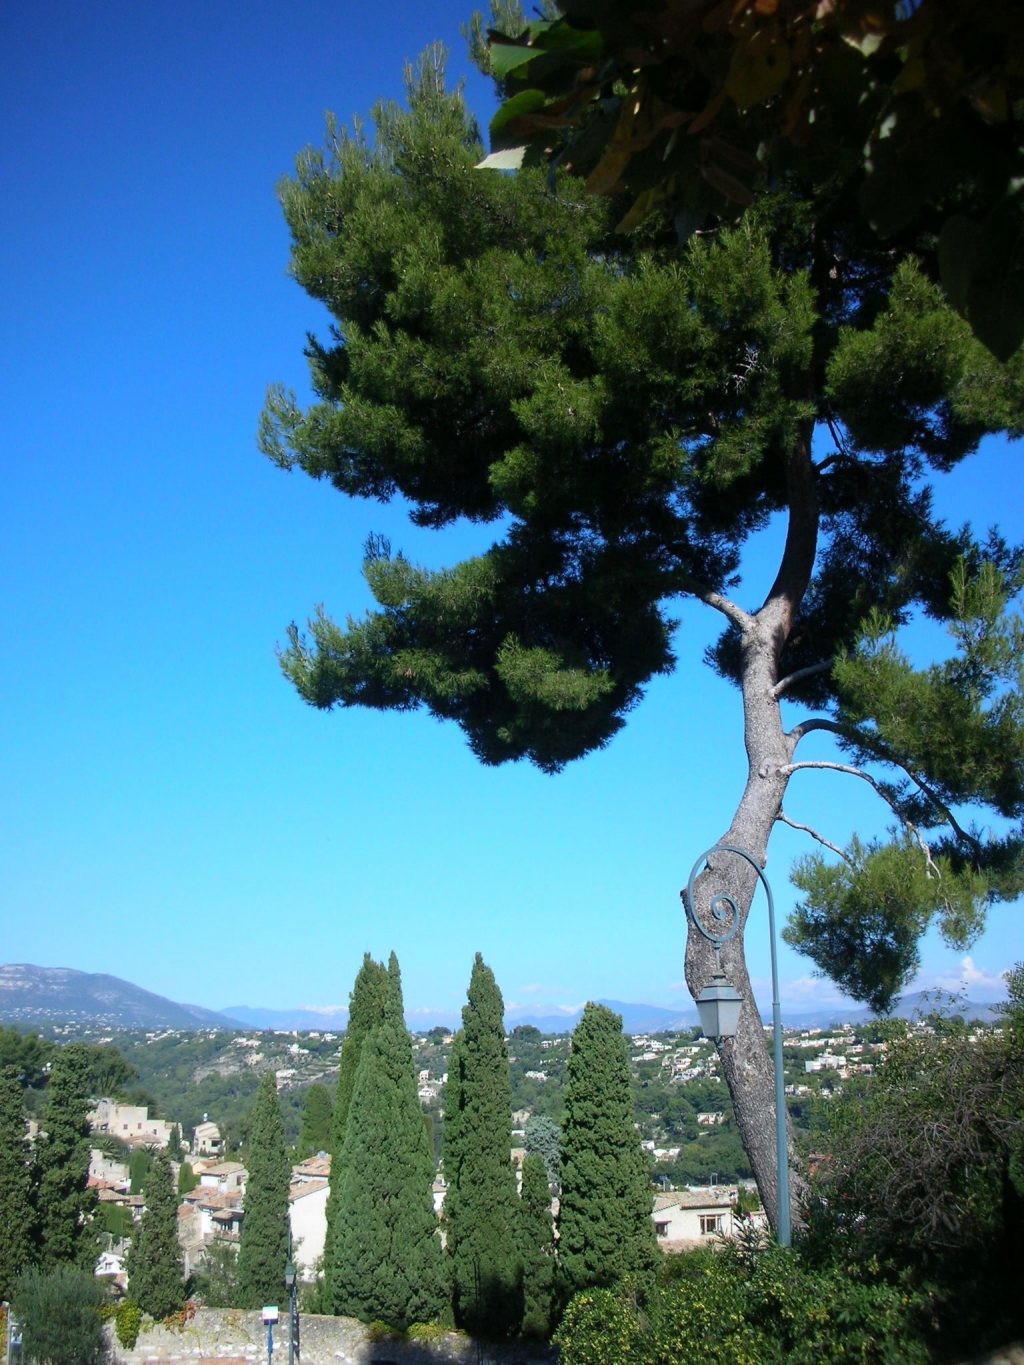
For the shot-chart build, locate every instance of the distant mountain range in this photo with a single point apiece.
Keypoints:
(60, 995)
(57, 995)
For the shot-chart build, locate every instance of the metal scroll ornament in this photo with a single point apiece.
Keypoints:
(723, 910)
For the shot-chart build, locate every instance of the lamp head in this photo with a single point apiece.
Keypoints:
(718, 1007)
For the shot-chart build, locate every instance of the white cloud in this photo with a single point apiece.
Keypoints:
(801, 990)
(325, 1009)
(531, 989)
(971, 980)
(570, 1009)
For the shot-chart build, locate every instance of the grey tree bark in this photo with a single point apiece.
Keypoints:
(746, 1059)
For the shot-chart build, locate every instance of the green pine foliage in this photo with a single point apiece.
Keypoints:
(480, 1208)
(605, 1230)
(59, 1310)
(367, 1006)
(630, 411)
(386, 1262)
(187, 1178)
(317, 1117)
(536, 1249)
(64, 1202)
(155, 1276)
(263, 1249)
(15, 1186)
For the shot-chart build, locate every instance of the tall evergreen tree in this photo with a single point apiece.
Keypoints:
(604, 1217)
(315, 1126)
(263, 1249)
(628, 412)
(155, 1278)
(480, 1207)
(536, 1248)
(64, 1202)
(15, 1185)
(367, 1007)
(386, 1258)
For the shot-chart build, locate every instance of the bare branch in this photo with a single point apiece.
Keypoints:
(873, 746)
(784, 684)
(789, 768)
(808, 726)
(784, 819)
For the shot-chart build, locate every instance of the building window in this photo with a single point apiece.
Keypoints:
(710, 1223)
(661, 1229)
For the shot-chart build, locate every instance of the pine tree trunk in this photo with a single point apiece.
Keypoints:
(746, 1059)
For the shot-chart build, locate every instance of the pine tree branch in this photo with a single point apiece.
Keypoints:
(784, 819)
(784, 684)
(731, 610)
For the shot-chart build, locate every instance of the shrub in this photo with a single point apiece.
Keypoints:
(59, 1313)
(127, 1322)
(725, 1310)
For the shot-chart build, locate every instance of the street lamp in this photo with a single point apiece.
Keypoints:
(719, 1004)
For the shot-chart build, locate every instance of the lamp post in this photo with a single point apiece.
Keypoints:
(719, 1004)
(289, 1284)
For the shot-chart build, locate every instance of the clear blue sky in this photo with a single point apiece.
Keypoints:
(169, 811)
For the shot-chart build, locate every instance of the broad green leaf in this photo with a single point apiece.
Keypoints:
(505, 58)
(526, 102)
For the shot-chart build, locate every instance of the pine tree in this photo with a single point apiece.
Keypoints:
(64, 1202)
(386, 1261)
(317, 1116)
(367, 1006)
(481, 1208)
(263, 1249)
(604, 1219)
(536, 1248)
(155, 1279)
(629, 412)
(15, 1186)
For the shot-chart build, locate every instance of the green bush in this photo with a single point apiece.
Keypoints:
(426, 1331)
(127, 1322)
(725, 1309)
(59, 1313)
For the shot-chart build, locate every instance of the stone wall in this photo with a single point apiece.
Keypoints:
(224, 1336)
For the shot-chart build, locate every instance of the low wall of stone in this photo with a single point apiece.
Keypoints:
(225, 1336)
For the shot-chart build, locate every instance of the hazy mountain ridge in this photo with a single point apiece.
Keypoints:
(36, 995)
(54, 995)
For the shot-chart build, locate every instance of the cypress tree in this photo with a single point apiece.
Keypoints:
(604, 1220)
(367, 1003)
(155, 1280)
(386, 1259)
(536, 1248)
(317, 1116)
(64, 1202)
(15, 1186)
(481, 1206)
(263, 1250)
